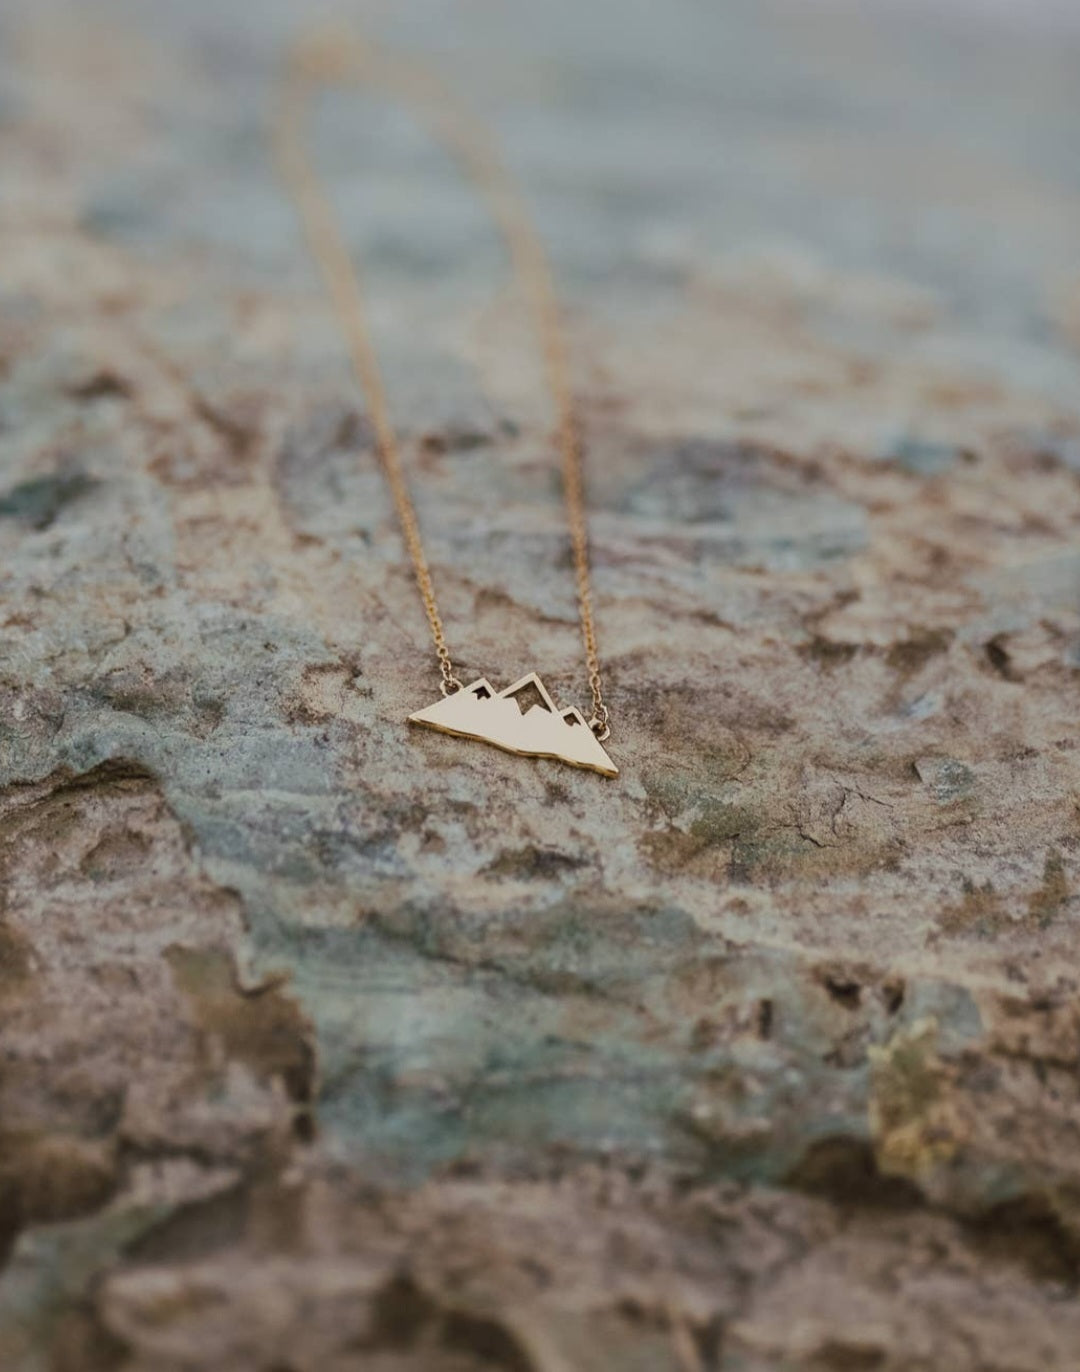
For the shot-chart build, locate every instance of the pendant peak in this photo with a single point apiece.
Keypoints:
(533, 726)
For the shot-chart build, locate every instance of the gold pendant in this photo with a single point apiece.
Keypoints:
(521, 719)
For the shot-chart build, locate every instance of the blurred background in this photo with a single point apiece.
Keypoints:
(662, 148)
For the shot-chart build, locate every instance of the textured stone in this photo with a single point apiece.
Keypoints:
(326, 1043)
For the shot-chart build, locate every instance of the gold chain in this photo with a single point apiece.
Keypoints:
(319, 61)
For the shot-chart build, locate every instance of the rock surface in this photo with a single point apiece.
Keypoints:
(326, 1044)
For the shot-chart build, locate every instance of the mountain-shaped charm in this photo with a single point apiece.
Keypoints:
(507, 719)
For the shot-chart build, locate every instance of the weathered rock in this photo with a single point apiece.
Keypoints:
(329, 1044)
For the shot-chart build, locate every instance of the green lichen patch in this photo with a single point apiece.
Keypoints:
(984, 912)
(532, 863)
(39, 503)
(1048, 900)
(980, 911)
(950, 780)
(786, 854)
(911, 1117)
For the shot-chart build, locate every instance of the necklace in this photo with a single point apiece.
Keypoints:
(523, 718)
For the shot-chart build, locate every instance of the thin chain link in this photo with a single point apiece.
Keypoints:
(319, 61)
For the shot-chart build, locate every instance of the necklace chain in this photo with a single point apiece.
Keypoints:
(321, 61)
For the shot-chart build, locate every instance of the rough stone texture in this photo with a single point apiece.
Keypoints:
(329, 1045)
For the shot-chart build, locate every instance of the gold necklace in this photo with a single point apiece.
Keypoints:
(477, 710)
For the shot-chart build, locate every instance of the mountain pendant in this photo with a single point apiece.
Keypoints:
(522, 719)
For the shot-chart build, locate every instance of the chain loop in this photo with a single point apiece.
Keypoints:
(324, 59)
